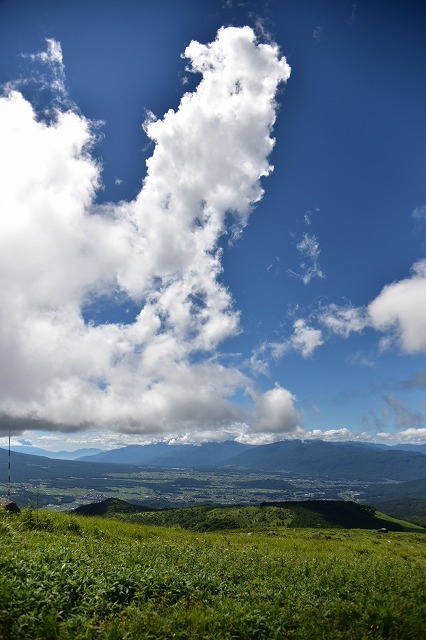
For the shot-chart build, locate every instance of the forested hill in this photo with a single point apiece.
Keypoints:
(309, 513)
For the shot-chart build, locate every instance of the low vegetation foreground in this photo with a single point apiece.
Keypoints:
(68, 576)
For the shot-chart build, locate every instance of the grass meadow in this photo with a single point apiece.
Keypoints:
(66, 577)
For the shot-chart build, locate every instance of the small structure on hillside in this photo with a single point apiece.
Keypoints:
(9, 505)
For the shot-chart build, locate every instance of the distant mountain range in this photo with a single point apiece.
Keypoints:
(208, 454)
(57, 455)
(348, 460)
(153, 453)
(418, 448)
(316, 458)
(35, 469)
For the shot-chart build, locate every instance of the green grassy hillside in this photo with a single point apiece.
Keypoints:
(67, 577)
(404, 500)
(414, 510)
(308, 513)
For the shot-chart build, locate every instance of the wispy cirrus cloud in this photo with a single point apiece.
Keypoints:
(343, 320)
(309, 266)
(53, 58)
(318, 33)
(419, 213)
(360, 358)
(352, 18)
(259, 359)
(309, 216)
(402, 416)
(396, 417)
(415, 381)
(309, 248)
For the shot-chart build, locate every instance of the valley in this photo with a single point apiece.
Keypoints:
(179, 487)
(163, 476)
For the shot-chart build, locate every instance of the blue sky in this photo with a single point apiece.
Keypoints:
(159, 281)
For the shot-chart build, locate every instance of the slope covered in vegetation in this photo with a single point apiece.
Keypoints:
(307, 513)
(67, 577)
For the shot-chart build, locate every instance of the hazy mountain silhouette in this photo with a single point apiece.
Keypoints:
(352, 460)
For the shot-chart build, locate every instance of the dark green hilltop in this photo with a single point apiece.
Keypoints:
(327, 514)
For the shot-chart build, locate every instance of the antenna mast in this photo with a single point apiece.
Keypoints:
(8, 470)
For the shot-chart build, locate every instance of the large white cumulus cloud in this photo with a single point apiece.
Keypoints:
(59, 252)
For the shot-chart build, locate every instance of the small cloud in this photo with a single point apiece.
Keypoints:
(274, 266)
(330, 435)
(385, 343)
(305, 339)
(308, 217)
(411, 435)
(258, 363)
(318, 33)
(395, 414)
(46, 83)
(278, 349)
(398, 312)
(416, 381)
(52, 57)
(316, 411)
(344, 320)
(419, 213)
(359, 358)
(352, 18)
(309, 248)
(401, 416)
(262, 30)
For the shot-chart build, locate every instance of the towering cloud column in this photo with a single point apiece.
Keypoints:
(59, 251)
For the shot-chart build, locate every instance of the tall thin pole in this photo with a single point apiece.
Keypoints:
(8, 471)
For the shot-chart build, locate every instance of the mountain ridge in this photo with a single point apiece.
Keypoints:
(310, 457)
(56, 455)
